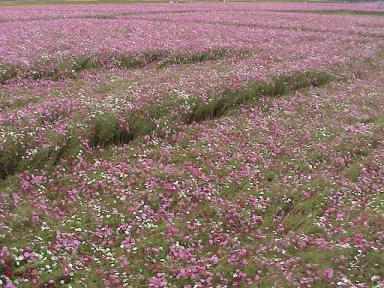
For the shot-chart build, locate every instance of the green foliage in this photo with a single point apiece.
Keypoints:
(139, 124)
(82, 63)
(154, 55)
(213, 108)
(108, 130)
(51, 156)
(217, 105)
(278, 87)
(197, 57)
(129, 61)
(377, 119)
(9, 160)
(12, 160)
(374, 262)
(134, 61)
(69, 68)
(66, 68)
(320, 283)
(299, 80)
(353, 172)
(7, 71)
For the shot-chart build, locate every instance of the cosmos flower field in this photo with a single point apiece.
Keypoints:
(192, 145)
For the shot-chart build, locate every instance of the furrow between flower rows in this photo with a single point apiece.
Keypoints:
(110, 129)
(265, 26)
(335, 12)
(114, 15)
(69, 68)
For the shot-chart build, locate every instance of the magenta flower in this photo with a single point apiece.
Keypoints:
(256, 218)
(158, 281)
(328, 273)
(172, 229)
(128, 242)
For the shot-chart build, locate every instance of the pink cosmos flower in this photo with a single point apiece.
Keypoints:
(172, 229)
(158, 281)
(256, 218)
(328, 273)
(128, 242)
